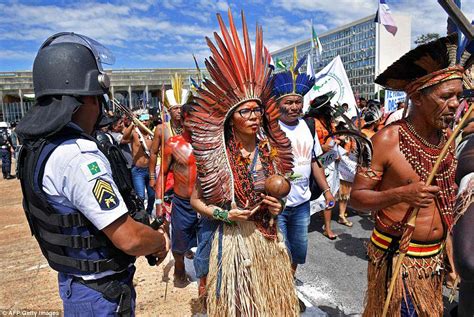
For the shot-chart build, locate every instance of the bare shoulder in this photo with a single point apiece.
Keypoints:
(158, 129)
(386, 138)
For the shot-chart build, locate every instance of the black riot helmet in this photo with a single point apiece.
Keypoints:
(71, 64)
(67, 67)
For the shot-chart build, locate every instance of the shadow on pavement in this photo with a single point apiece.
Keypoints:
(335, 312)
(366, 223)
(351, 246)
(448, 306)
(316, 222)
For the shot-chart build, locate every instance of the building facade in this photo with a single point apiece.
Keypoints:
(366, 49)
(132, 87)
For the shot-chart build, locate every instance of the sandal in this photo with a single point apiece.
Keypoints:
(334, 237)
(345, 222)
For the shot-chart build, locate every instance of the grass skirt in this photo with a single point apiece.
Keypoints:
(344, 190)
(249, 275)
(421, 279)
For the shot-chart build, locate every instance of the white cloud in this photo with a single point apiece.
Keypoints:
(426, 16)
(16, 55)
(338, 12)
(109, 24)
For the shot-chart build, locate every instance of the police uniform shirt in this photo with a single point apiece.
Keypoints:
(79, 176)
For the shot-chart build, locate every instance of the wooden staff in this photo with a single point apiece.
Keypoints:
(162, 145)
(162, 149)
(410, 228)
(129, 114)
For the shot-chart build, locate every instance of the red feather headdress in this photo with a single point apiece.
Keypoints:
(237, 76)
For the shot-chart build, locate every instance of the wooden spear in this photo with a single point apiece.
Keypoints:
(131, 116)
(410, 228)
(162, 150)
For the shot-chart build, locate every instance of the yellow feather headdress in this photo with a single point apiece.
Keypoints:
(177, 95)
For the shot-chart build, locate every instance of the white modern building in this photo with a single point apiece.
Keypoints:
(366, 49)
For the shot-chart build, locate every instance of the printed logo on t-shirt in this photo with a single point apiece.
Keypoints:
(302, 153)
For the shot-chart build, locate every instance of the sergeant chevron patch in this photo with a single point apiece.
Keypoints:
(105, 195)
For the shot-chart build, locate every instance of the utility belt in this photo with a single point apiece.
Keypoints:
(114, 289)
(416, 249)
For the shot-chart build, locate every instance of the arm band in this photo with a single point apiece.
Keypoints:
(222, 215)
(368, 172)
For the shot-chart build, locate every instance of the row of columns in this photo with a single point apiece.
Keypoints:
(112, 90)
(147, 93)
(22, 106)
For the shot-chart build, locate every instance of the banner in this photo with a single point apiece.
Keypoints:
(392, 98)
(333, 77)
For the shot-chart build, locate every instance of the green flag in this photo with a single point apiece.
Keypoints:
(279, 63)
(315, 41)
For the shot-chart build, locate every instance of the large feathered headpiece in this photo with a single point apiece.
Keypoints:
(292, 82)
(177, 95)
(237, 76)
(425, 66)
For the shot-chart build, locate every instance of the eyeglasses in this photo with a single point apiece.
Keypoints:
(247, 113)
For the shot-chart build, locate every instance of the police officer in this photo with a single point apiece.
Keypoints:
(6, 150)
(74, 208)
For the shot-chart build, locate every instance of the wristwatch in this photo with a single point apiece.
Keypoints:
(158, 201)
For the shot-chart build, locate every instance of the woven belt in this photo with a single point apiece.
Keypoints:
(415, 249)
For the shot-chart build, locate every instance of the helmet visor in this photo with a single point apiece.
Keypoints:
(101, 53)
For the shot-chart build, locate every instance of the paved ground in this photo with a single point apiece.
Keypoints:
(334, 276)
(333, 280)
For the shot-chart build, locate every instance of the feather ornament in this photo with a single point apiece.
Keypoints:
(237, 75)
(292, 82)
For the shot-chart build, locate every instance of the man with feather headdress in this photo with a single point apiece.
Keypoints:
(174, 98)
(404, 155)
(289, 87)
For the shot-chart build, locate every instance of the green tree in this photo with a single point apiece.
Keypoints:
(425, 38)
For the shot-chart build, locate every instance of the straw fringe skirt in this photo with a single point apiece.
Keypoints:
(344, 190)
(422, 282)
(249, 275)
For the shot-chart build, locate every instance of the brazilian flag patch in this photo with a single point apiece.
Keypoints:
(94, 168)
(105, 195)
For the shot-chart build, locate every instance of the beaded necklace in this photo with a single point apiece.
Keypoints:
(244, 182)
(422, 156)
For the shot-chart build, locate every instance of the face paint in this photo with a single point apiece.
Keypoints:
(440, 103)
(248, 125)
(291, 108)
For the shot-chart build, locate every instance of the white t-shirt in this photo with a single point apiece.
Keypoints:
(305, 148)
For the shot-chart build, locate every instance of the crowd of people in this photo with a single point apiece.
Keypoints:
(236, 172)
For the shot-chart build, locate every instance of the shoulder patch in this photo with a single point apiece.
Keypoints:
(93, 169)
(105, 195)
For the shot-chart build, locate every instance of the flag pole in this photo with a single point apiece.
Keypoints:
(162, 145)
(377, 71)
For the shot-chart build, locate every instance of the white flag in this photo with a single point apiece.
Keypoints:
(385, 18)
(333, 77)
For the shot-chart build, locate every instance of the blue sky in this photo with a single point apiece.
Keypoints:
(164, 33)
